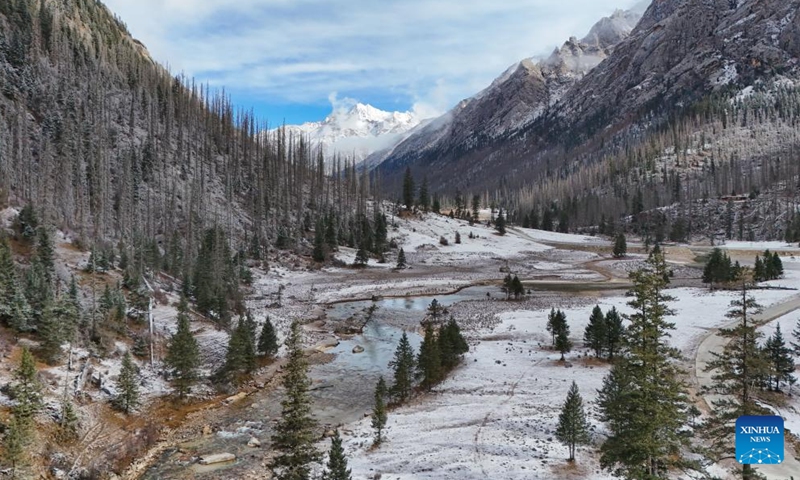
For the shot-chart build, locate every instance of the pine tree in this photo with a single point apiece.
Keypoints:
(362, 258)
(240, 358)
(26, 390)
(500, 223)
(424, 199)
(337, 462)
(401, 260)
(268, 341)
(20, 316)
(44, 255)
(408, 189)
(15, 442)
(780, 358)
(403, 366)
(294, 434)
(554, 322)
(68, 421)
(8, 279)
(452, 344)
(777, 266)
(759, 274)
(736, 372)
(573, 428)
(643, 400)
(183, 356)
(517, 288)
(127, 385)
(620, 246)
(437, 206)
(718, 269)
(563, 343)
(379, 411)
(476, 208)
(595, 335)
(435, 310)
(614, 332)
(429, 360)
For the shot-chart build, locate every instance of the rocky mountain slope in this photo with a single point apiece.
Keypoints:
(520, 95)
(357, 131)
(677, 79)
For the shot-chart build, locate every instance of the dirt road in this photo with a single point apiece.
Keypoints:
(715, 343)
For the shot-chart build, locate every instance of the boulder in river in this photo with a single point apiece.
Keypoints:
(358, 349)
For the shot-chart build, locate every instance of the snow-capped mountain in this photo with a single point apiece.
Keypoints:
(357, 130)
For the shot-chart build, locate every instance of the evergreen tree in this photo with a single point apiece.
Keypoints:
(68, 421)
(15, 443)
(563, 343)
(127, 385)
(294, 434)
(401, 260)
(8, 279)
(424, 199)
(573, 428)
(437, 206)
(435, 310)
(57, 325)
(20, 313)
(643, 400)
(268, 341)
(796, 335)
(183, 356)
(26, 390)
(719, 268)
(547, 220)
(555, 321)
(595, 335)
(27, 222)
(736, 372)
(403, 366)
(331, 239)
(780, 358)
(517, 288)
(429, 360)
(240, 358)
(614, 332)
(337, 462)
(476, 208)
(379, 411)
(500, 223)
(408, 189)
(361, 257)
(44, 255)
(759, 273)
(452, 344)
(620, 246)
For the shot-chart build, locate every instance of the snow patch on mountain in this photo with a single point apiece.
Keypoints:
(356, 130)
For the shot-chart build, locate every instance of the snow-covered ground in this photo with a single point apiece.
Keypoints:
(496, 416)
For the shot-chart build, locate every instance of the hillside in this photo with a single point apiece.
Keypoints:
(691, 104)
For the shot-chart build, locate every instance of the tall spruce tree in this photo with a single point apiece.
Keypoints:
(26, 390)
(736, 373)
(294, 434)
(595, 335)
(563, 343)
(614, 332)
(379, 411)
(183, 356)
(408, 189)
(127, 398)
(15, 442)
(573, 428)
(424, 198)
(643, 400)
(337, 462)
(452, 344)
(268, 341)
(780, 358)
(500, 223)
(401, 260)
(240, 358)
(403, 366)
(429, 360)
(320, 250)
(620, 246)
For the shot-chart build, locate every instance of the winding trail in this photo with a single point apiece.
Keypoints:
(715, 343)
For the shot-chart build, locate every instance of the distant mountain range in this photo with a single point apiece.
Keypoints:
(357, 131)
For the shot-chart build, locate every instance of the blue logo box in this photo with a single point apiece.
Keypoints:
(759, 440)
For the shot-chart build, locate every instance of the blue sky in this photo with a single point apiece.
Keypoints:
(293, 59)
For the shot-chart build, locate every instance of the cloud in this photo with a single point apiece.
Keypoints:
(420, 54)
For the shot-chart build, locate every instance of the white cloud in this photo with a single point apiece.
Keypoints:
(421, 53)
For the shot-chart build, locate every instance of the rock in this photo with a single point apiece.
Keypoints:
(328, 433)
(236, 398)
(358, 349)
(207, 430)
(217, 458)
(254, 442)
